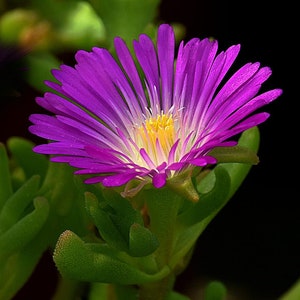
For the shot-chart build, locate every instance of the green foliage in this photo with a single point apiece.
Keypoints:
(22, 216)
(120, 225)
(92, 262)
(125, 251)
(38, 202)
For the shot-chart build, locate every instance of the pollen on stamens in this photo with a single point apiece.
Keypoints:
(157, 135)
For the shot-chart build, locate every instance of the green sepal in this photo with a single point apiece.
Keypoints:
(215, 290)
(120, 225)
(82, 261)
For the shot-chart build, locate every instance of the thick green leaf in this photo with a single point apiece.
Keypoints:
(19, 235)
(119, 224)
(142, 241)
(109, 231)
(236, 154)
(86, 262)
(16, 270)
(238, 171)
(209, 202)
(15, 205)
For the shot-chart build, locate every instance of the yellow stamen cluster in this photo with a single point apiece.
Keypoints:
(156, 136)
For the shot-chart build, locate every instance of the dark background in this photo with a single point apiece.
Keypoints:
(254, 242)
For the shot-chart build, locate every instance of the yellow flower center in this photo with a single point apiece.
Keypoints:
(157, 136)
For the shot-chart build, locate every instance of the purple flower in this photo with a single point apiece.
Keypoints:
(117, 124)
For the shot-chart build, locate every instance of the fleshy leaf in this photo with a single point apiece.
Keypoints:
(78, 260)
(18, 267)
(119, 224)
(17, 203)
(235, 154)
(15, 238)
(142, 241)
(210, 202)
(238, 171)
(108, 230)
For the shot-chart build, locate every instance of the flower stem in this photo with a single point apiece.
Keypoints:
(158, 290)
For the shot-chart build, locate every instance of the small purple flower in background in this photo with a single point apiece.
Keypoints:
(115, 126)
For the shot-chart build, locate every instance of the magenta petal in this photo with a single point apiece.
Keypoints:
(98, 108)
(203, 161)
(118, 180)
(159, 180)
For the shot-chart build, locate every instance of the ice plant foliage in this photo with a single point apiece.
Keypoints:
(115, 123)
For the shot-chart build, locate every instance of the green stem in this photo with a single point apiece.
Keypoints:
(158, 290)
(163, 208)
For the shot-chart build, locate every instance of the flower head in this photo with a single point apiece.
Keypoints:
(116, 125)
